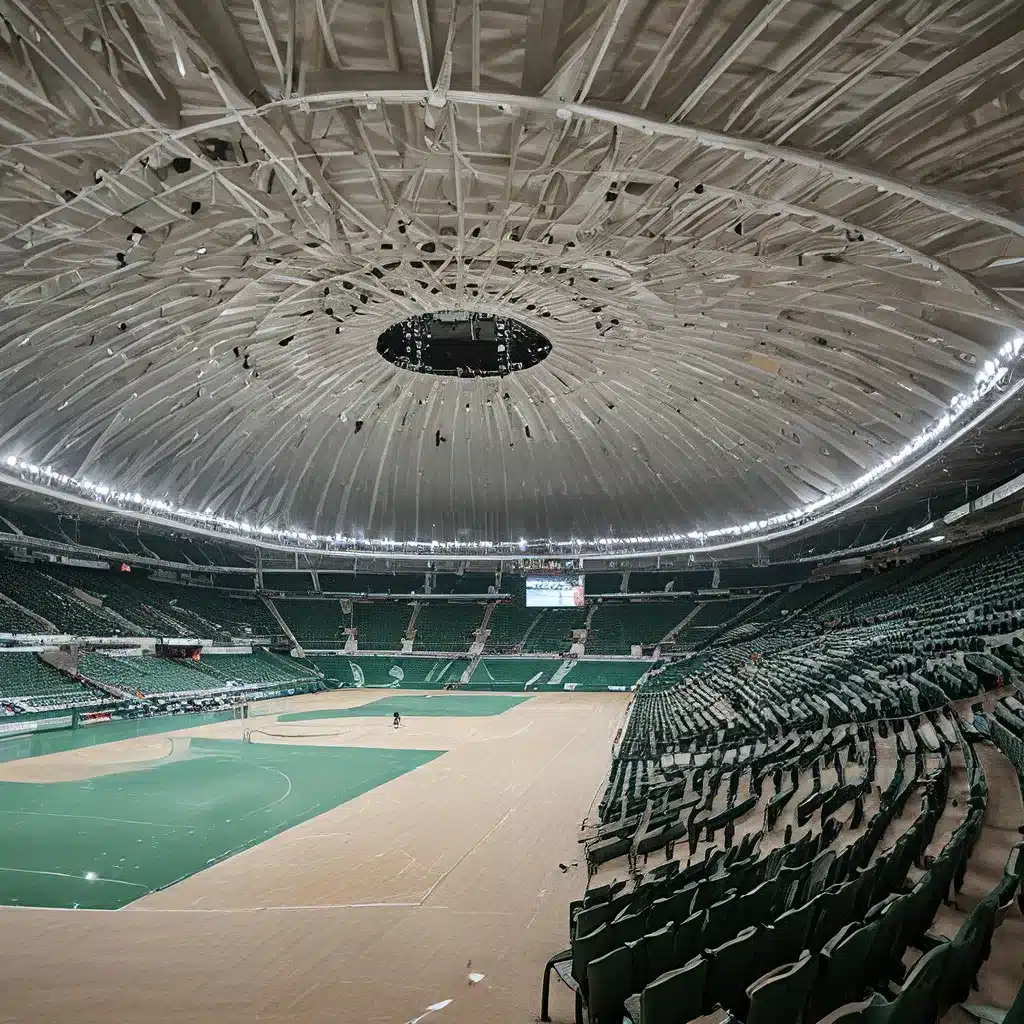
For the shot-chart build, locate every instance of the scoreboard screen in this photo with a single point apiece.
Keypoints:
(551, 591)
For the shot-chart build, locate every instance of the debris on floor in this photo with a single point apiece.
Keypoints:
(430, 1009)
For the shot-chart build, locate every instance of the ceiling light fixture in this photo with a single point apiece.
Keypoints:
(987, 379)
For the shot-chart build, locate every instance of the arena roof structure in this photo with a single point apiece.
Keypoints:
(772, 250)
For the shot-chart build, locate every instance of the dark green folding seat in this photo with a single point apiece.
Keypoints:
(915, 921)
(967, 952)
(654, 955)
(608, 849)
(755, 907)
(935, 890)
(858, 812)
(711, 891)
(652, 840)
(868, 889)
(734, 966)
(745, 875)
(792, 929)
(603, 893)
(722, 922)
(589, 947)
(628, 927)
(575, 906)
(681, 903)
(777, 950)
(643, 896)
(842, 971)
(841, 868)
(774, 807)
(919, 999)
(609, 985)
(790, 881)
(590, 918)
(660, 913)
(695, 827)
(899, 861)
(673, 833)
(837, 908)
(690, 937)
(781, 995)
(750, 842)
(885, 956)
(675, 996)
(817, 878)
(854, 1013)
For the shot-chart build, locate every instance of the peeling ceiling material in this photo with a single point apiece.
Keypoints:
(769, 243)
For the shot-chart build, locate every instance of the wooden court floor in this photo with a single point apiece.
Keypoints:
(373, 911)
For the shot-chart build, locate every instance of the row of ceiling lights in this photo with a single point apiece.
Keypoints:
(993, 371)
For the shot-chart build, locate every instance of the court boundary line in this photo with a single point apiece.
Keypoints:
(65, 874)
(266, 807)
(93, 817)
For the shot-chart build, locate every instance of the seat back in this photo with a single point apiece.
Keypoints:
(817, 879)
(609, 985)
(838, 907)
(734, 966)
(792, 930)
(967, 952)
(780, 997)
(689, 937)
(920, 997)
(722, 923)
(589, 947)
(675, 996)
(842, 976)
(886, 952)
(755, 907)
(653, 955)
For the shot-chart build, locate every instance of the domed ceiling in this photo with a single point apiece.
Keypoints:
(767, 241)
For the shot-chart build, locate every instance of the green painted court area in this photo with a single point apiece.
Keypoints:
(106, 841)
(445, 705)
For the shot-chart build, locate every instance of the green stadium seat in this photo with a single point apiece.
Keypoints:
(447, 626)
(676, 995)
(257, 668)
(843, 974)
(29, 684)
(315, 623)
(609, 985)
(508, 625)
(56, 602)
(781, 995)
(615, 628)
(382, 625)
(147, 676)
(552, 630)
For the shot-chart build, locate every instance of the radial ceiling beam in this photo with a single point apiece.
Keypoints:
(947, 200)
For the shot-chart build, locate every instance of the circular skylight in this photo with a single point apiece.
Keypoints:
(457, 343)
